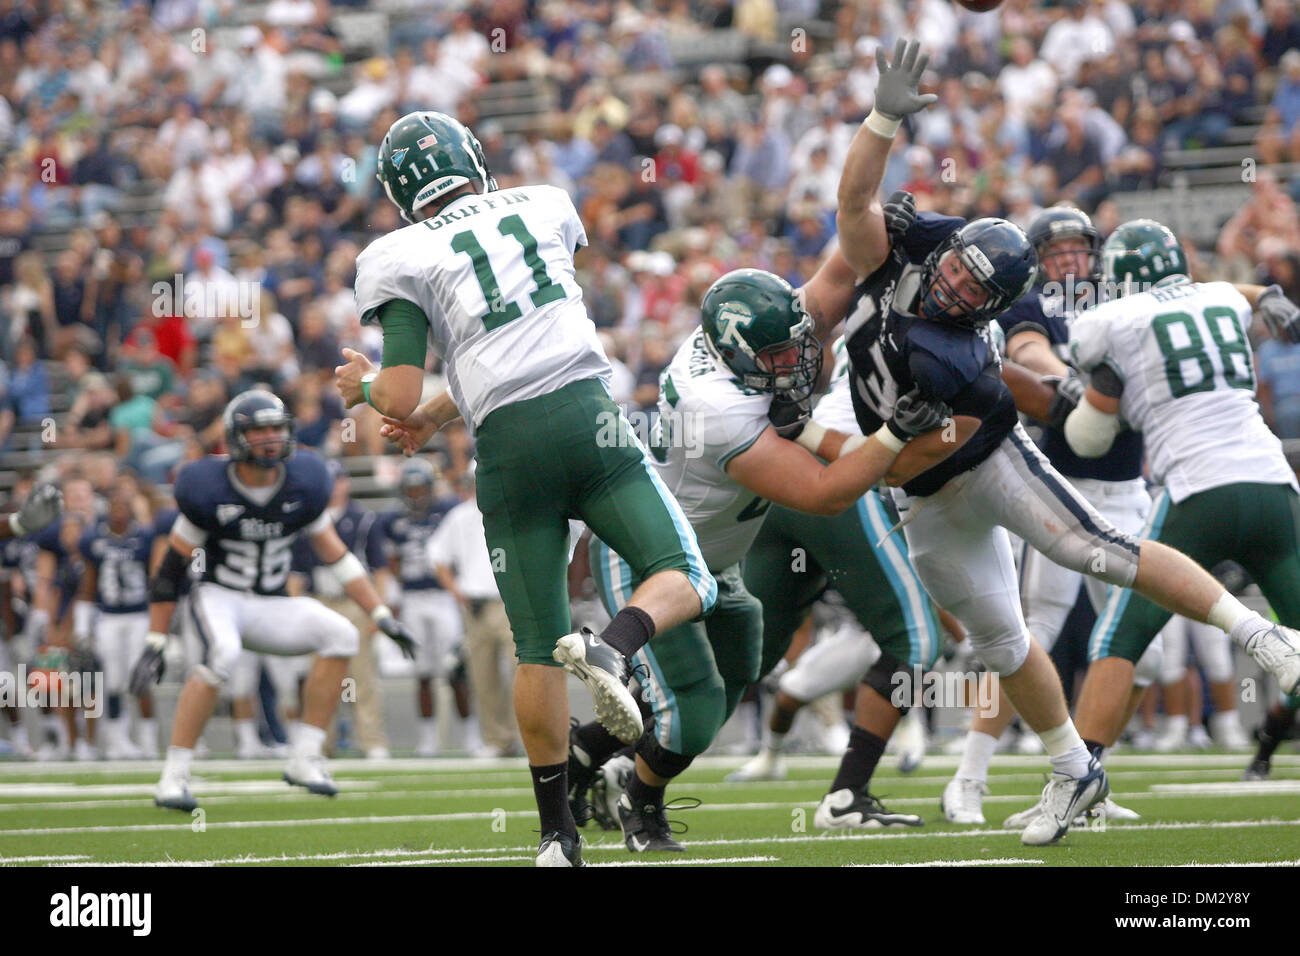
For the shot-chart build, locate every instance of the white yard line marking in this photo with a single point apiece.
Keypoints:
(58, 858)
(1004, 861)
(1235, 788)
(702, 861)
(458, 861)
(1267, 863)
(198, 786)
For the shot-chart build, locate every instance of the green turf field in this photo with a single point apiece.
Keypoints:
(461, 812)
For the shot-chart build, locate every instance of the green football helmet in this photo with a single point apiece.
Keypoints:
(751, 317)
(1141, 254)
(426, 154)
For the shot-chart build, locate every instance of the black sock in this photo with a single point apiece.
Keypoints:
(1276, 727)
(551, 788)
(1095, 748)
(597, 743)
(641, 794)
(859, 762)
(630, 631)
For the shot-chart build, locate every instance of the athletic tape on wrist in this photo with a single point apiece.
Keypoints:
(889, 439)
(882, 125)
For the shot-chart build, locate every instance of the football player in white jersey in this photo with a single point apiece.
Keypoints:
(730, 396)
(486, 277)
(1175, 363)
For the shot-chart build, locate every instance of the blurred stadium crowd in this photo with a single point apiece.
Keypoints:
(187, 183)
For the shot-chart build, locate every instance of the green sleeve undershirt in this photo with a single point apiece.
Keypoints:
(406, 333)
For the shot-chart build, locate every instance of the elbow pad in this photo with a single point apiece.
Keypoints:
(165, 585)
(1090, 432)
(347, 569)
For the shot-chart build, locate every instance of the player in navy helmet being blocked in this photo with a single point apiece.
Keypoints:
(921, 321)
(238, 520)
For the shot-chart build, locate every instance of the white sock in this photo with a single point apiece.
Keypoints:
(179, 760)
(772, 741)
(1239, 621)
(428, 731)
(246, 734)
(469, 732)
(1176, 726)
(1065, 748)
(147, 733)
(1224, 721)
(18, 737)
(310, 741)
(976, 756)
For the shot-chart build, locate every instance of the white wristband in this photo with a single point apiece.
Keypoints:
(16, 526)
(889, 439)
(811, 436)
(852, 443)
(380, 613)
(881, 125)
(156, 640)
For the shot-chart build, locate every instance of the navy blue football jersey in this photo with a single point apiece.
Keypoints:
(249, 545)
(18, 556)
(122, 566)
(1051, 316)
(407, 537)
(891, 351)
(68, 570)
(162, 528)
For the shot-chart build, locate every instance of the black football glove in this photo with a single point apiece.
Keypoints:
(148, 670)
(914, 415)
(1281, 316)
(788, 416)
(1069, 393)
(397, 631)
(900, 213)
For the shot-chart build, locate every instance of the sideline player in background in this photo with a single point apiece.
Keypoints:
(238, 519)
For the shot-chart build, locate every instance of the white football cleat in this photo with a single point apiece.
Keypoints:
(378, 753)
(173, 790)
(560, 849)
(1018, 821)
(1226, 729)
(310, 772)
(963, 801)
(1277, 650)
(84, 751)
(847, 810)
(1108, 809)
(605, 671)
(767, 765)
(1065, 798)
(909, 736)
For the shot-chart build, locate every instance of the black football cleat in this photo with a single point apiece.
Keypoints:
(646, 829)
(560, 849)
(606, 673)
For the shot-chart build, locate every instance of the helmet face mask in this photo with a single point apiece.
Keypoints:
(416, 482)
(264, 415)
(997, 256)
(1061, 231)
(755, 325)
(424, 156)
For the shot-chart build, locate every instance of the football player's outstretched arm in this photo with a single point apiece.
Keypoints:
(829, 293)
(779, 470)
(925, 451)
(351, 575)
(859, 216)
(165, 585)
(1034, 395)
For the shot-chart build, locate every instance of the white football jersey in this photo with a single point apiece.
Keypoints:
(494, 274)
(1189, 384)
(835, 409)
(706, 418)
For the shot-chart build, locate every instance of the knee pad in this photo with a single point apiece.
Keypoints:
(206, 674)
(661, 761)
(880, 677)
(341, 639)
(1002, 652)
(1148, 668)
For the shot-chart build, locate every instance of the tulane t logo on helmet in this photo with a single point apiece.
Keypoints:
(754, 324)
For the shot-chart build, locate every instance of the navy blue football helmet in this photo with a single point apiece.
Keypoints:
(1065, 222)
(1000, 257)
(416, 482)
(257, 408)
